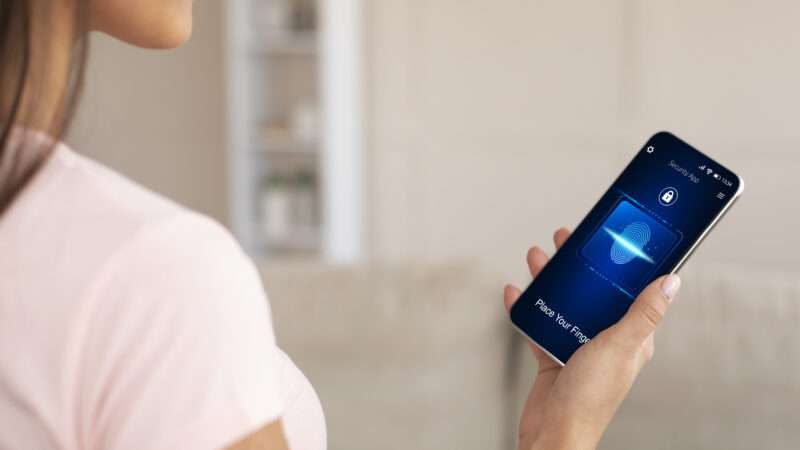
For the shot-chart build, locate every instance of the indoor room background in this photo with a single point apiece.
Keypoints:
(387, 163)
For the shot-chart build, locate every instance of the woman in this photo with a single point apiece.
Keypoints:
(129, 322)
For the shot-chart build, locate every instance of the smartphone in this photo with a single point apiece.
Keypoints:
(646, 225)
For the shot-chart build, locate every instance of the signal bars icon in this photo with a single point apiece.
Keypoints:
(708, 170)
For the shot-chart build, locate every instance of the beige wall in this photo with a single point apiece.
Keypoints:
(491, 123)
(158, 116)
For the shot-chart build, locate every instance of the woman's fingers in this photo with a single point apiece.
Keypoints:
(646, 312)
(546, 376)
(537, 258)
(560, 236)
(510, 296)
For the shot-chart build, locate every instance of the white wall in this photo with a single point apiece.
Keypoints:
(492, 123)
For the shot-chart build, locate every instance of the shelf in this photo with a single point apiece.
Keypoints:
(286, 154)
(279, 90)
(289, 148)
(302, 44)
(304, 239)
(281, 141)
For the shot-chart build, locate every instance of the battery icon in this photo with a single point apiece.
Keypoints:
(716, 176)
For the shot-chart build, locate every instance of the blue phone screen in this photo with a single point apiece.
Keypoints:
(642, 227)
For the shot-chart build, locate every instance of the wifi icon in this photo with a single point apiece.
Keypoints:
(708, 171)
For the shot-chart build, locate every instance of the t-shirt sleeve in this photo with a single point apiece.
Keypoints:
(180, 350)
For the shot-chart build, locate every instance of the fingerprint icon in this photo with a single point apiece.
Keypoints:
(629, 244)
(628, 247)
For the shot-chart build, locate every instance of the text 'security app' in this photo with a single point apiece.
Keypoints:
(628, 246)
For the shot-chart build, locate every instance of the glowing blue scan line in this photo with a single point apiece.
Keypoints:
(628, 245)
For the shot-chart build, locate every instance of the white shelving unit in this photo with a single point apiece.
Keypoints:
(295, 127)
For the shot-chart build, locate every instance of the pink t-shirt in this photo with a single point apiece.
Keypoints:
(130, 323)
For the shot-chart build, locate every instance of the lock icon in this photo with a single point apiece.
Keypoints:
(668, 196)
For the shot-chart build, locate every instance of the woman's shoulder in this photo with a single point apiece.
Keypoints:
(144, 227)
(177, 311)
(100, 219)
(100, 191)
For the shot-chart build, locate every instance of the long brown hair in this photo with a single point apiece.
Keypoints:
(22, 79)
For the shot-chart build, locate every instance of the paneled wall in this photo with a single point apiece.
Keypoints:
(491, 123)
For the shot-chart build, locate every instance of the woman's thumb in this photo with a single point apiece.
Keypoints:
(649, 308)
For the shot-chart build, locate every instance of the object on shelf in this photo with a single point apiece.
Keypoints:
(275, 17)
(276, 131)
(289, 210)
(276, 208)
(305, 199)
(304, 16)
(304, 121)
(280, 141)
(292, 43)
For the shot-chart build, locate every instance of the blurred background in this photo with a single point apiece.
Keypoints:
(387, 164)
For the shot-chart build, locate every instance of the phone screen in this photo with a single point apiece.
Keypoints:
(643, 227)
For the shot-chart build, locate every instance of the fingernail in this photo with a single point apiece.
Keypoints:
(670, 286)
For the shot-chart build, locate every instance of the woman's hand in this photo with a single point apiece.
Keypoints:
(571, 406)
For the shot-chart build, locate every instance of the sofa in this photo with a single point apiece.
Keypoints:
(422, 357)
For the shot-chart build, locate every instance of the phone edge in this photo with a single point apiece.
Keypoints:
(526, 336)
(710, 226)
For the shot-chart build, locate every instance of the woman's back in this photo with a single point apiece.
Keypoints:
(128, 322)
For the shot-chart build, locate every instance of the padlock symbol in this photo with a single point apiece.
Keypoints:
(668, 196)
